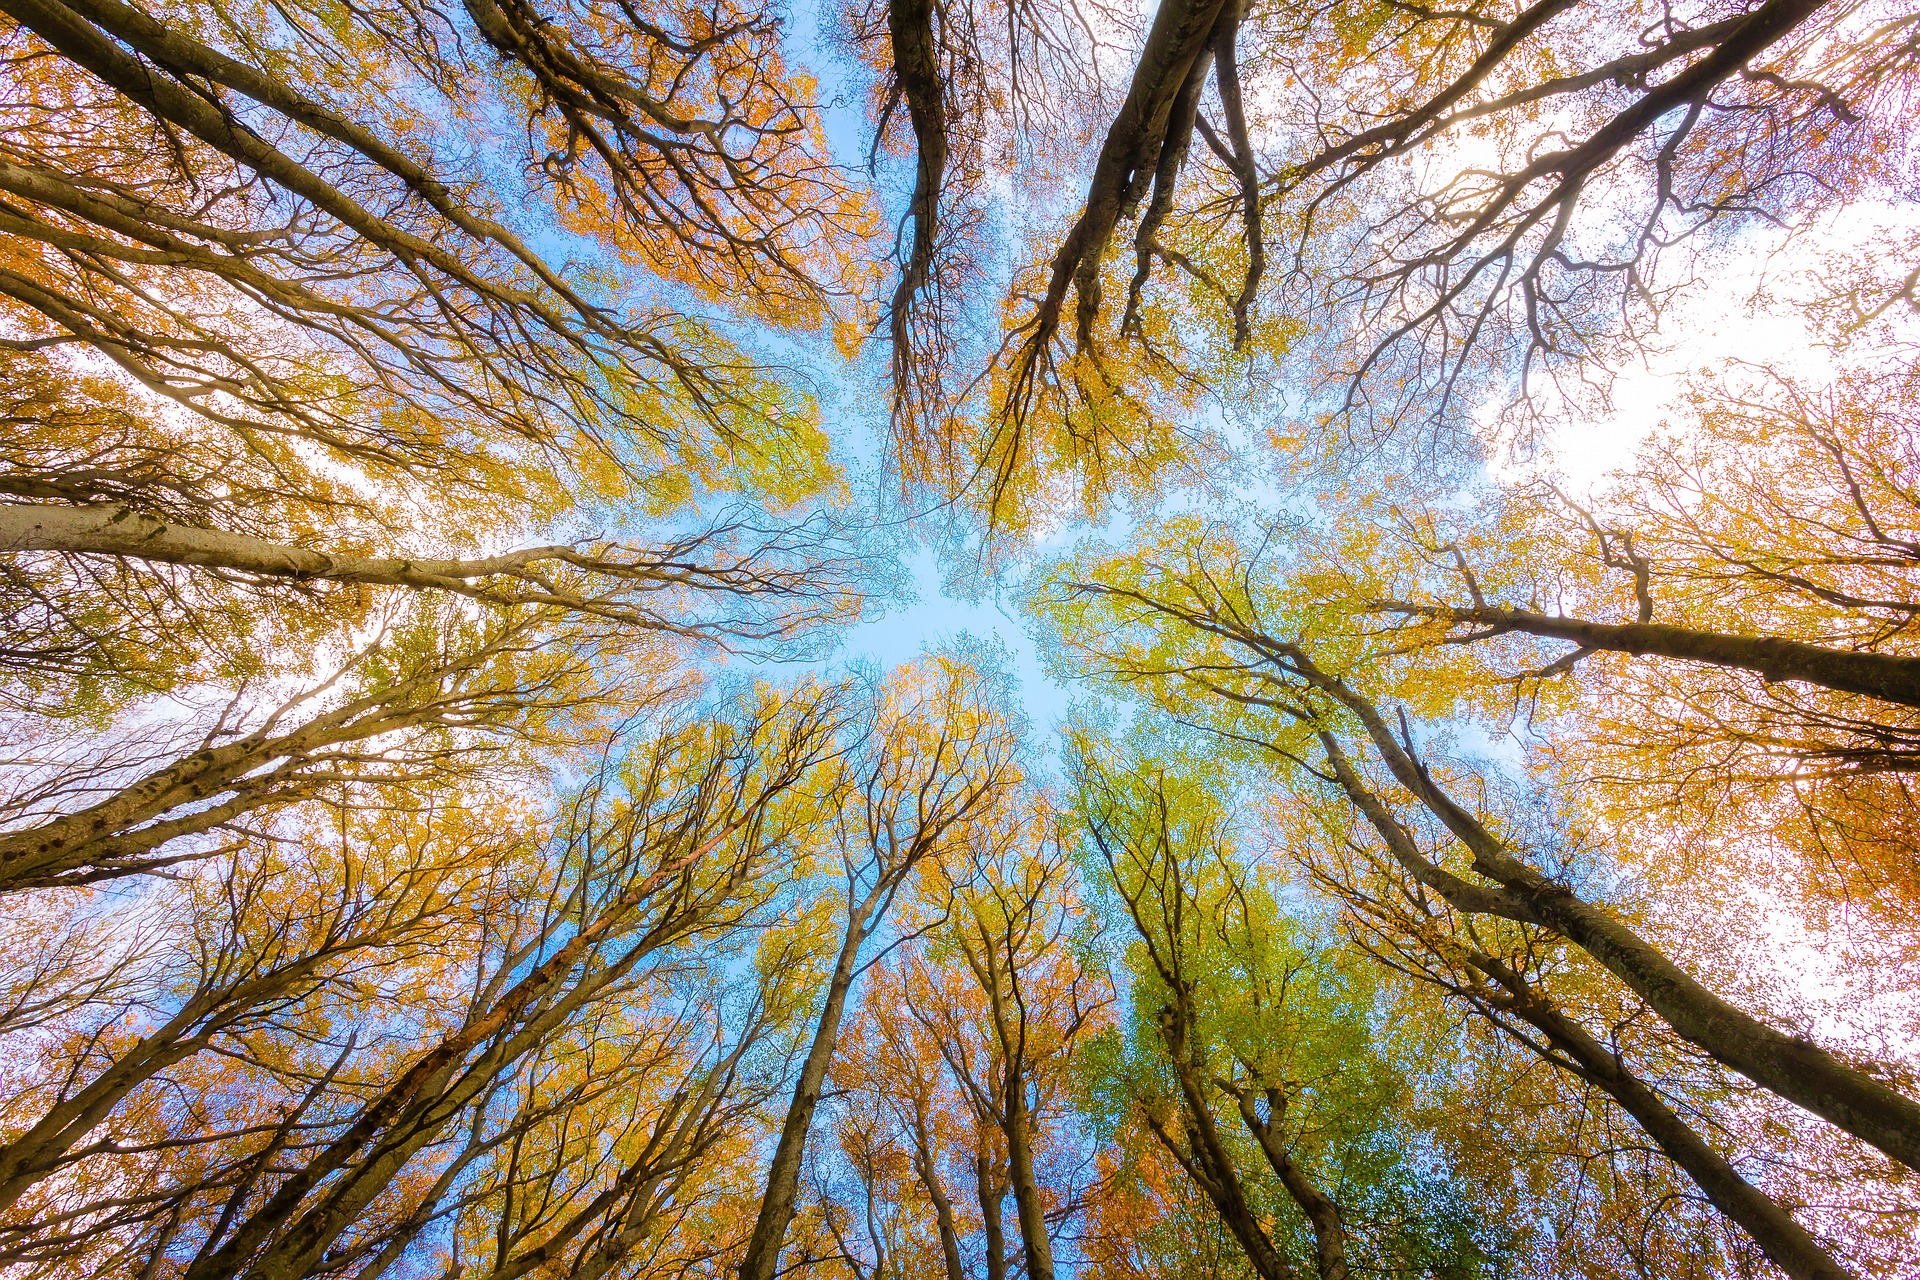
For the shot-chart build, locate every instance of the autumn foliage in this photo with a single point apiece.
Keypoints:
(453, 458)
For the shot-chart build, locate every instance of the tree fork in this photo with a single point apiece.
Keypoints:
(1789, 1245)
(1791, 1066)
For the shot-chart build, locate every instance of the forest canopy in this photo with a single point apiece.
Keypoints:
(481, 800)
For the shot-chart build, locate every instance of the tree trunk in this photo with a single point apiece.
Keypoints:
(1029, 1207)
(1877, 675)
(111, 529)
(917, 73)
(1207, 1160)
(112, 836)
(37, 1153)
(1785, 1241)
(990, 1190)
(1323, 1215)
(1179, 34)
(122, 828)
(942, 1203)
(783, 1174)
(1790, 1066)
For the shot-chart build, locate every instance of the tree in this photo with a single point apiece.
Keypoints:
(441, 448)
(1432, 249)
(935, 758)
(1193, 623)
(1010, 1035)
(911, 1131)
(1236, 1012)
(322, 325)
(443, 699)
(484, 322)
(961, 1071)
(651, 857)
(1751, 575)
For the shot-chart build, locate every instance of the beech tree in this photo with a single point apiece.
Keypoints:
(1196, 626)
(452, 826)
(964, 1068)
(935, 759)
(654, 856)
(1245, 1025)
(1743, 639)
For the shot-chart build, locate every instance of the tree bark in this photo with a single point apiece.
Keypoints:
(1179, 34)
(37, 1153)
(112, 836)
(1233, 108)
(1790, 1066)
(936, 1193)
(783, 1173)
(81, 32)
(1029, 1207)
(1877, 675)
(111, 529)
(115, 836)
(990, 1189)
(1207, 1160)
(1790, 1246)
(1323, 1215)
(916, 71)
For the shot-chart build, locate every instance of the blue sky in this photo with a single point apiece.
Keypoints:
(905, 627)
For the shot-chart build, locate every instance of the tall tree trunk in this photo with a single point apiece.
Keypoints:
(1790, 1066)
(1239, 153)
(783, 1174)
(512, 577)
(1785, 1241)
(1877, 675)
(1206, 1158)
(114, 836)
(1028, 1204)
(112, 529)
(916, 72)
(1179, 34)
(990, 1189)
(38, 1152)
(1323, 1215)
(937, 1193)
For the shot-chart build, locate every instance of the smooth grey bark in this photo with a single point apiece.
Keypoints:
(1877, 675)
(523, 576)
(929, 1176)
(1791, 1066)
(989, 1188)
(115, 836)
(113, 529)
(1789, 1245)
(783, 1172)
(1323, 1215)
(1029, 1208)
